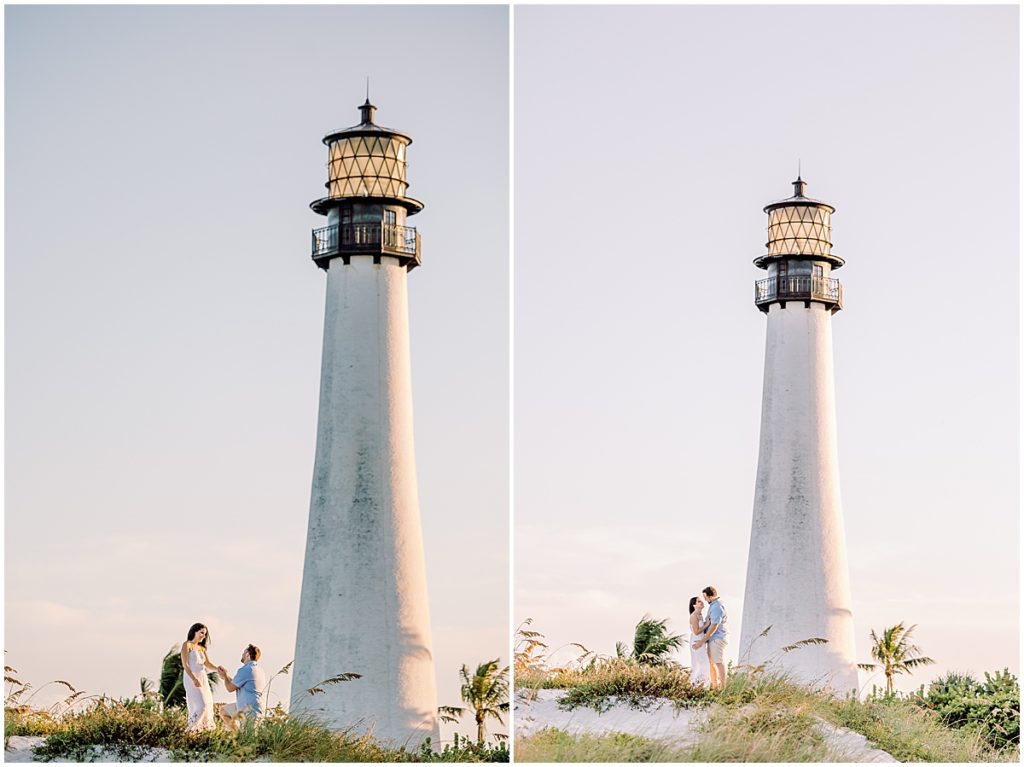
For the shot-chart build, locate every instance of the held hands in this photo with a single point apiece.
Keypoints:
(223, 672)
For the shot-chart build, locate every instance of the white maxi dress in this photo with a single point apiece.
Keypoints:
(198, 699)
(700, 666)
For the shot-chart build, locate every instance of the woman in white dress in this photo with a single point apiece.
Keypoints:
(198, 695)
(700, 666)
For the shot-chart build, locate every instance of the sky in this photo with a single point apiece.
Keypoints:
(648, 140)
(164, 322)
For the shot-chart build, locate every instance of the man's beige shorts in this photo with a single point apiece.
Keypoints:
(716, 650)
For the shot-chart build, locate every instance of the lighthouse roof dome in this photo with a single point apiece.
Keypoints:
(798, 198)
(366, 127)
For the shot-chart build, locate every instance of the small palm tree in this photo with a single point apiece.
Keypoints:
(651, 642)
(485, 694)
(895, 653)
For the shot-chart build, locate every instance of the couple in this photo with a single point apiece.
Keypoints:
(247, 684)
(708, 638)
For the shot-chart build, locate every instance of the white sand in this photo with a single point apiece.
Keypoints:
(19, 749)
(662, 721)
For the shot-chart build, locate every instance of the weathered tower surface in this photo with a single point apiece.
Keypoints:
(797, 576)
(364, 587)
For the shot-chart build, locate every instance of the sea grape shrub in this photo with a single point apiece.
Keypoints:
(991, 707)
(462, 749)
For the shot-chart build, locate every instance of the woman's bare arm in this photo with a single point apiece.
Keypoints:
(695, 624)
(184, 663)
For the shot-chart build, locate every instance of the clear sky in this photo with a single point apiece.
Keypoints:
(164, 322)
(647, 141)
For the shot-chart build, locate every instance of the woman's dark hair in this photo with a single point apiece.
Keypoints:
(693, 602)
(194, 630)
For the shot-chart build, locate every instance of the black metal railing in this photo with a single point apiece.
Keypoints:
(373, 238)
(799, 287)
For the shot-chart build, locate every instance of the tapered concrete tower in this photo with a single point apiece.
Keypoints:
(364, 587)
(797, 577)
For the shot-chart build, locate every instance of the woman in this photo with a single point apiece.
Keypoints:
(700, 666)
(195, 662)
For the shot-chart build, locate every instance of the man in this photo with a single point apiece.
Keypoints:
(716, 637)
(247, 685)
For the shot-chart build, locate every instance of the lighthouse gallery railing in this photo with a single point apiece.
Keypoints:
(366, 238)
(803, 287)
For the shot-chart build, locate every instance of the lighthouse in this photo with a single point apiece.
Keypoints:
(797, 574)
(363, 606)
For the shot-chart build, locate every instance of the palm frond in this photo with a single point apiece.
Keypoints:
(450, 714)
(914, 662)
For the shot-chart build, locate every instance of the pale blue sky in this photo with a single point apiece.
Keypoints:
(647, 141)
(164, 321)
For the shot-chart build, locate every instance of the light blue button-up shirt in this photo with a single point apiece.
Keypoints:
(250, 681)
(716, 614)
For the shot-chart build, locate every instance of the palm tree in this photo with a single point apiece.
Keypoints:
(485, 694)
(651, 642)
(895, 653)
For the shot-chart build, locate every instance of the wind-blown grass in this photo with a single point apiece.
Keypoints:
(127, 729)
(756, 717)
(79, 726)
(553, 745)
(636, 684)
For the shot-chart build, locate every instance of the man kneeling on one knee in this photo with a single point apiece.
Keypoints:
(247, 685)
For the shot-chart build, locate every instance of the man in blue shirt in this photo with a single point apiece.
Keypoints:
(247, 685)
(716, 637)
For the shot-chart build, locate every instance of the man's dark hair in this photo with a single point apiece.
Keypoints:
(710, 592)
(254, 652)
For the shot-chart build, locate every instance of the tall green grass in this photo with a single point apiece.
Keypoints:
(127, 729)
(553, 745)
(756, 717)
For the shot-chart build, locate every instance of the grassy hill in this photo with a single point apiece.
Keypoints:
(129, 729)
(764, 717)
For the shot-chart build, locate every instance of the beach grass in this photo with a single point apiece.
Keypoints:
(756, 717)
(637, 684)
(127, 729)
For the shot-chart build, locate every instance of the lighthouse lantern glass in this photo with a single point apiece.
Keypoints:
(799, 230)
(361, 166)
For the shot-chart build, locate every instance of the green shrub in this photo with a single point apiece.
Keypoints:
(991, 708)
(461, 749)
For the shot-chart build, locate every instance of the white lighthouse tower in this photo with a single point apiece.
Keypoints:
(364, 588)
(797, 576)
